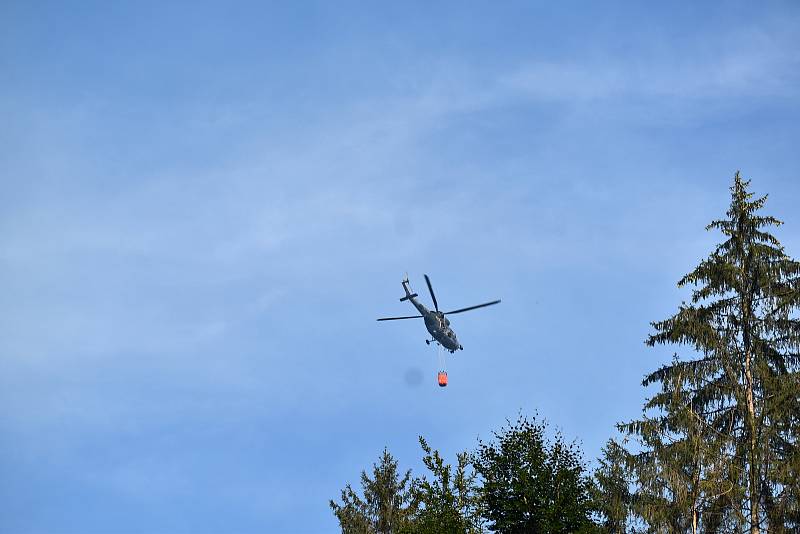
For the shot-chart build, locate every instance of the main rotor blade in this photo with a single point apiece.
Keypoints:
(473, 307)
(430, 288)
(396, 318)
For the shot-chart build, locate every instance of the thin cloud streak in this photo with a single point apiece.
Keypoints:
(755, 64)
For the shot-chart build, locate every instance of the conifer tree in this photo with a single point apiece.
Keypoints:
(448, 500)
(388, 504)
(533, 484)
(721, 450)
(611, 491)
(677, 469)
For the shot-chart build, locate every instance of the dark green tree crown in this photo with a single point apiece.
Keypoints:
(722, 433)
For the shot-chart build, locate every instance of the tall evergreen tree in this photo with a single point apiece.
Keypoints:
(721, 451)
(611, 491)
(388, 504)
(677, 467)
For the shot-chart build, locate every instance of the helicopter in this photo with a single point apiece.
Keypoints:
(435, 321)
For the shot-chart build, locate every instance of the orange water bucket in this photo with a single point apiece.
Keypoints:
(442, 379)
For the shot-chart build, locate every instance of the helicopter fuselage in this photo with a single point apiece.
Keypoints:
(437, 324)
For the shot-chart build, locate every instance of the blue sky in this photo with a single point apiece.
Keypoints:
(204, 207)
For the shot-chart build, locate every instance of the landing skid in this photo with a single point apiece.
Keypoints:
(429, 341)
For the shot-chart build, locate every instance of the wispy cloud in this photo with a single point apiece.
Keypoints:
(748, 64)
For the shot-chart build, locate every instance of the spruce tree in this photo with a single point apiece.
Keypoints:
(448, 500)
(676, 468)
(388, 504)
(720, 450)
(611, 491)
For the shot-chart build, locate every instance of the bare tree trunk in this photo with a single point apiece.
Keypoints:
(749, 282)
(751, 423)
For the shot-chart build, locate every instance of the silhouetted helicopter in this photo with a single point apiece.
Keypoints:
(435, 321)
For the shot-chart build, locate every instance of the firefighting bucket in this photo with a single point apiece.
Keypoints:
(442, 379)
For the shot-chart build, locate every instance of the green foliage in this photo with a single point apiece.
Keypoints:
(719, 441)
(388, 504)
(532, 484)
(448, 501)
(611, 490)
